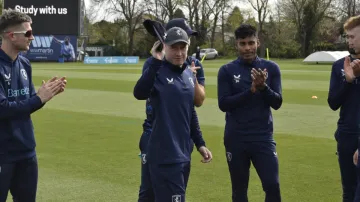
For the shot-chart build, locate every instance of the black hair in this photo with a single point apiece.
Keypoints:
(245, 30)
(11, 18)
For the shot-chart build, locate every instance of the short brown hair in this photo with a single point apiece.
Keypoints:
(352, 22)
(11, 18)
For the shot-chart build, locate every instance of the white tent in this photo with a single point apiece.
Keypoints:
(326, 56)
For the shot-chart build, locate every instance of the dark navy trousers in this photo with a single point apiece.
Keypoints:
(149, 187)
(263, 156)
(20, 178)
(346, 147)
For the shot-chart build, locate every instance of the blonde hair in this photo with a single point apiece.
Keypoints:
(352, 22)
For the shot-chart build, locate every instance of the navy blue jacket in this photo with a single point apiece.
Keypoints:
(18, 100)
(200, 76)
(171, 91)
(345, 96)
(248, 115)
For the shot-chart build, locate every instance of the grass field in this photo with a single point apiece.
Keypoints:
(88, 137)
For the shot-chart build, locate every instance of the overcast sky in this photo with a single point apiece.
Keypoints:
(242, 4)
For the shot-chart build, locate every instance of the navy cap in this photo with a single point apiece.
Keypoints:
(182, 23)
(175, 35)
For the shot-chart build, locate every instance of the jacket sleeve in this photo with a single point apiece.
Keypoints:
(273, 93)
(226, 100)
(195, 132)
(10, 109)
(145, 84)
(338, 89)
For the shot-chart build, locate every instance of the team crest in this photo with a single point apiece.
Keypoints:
(228, 156)
(176, 198)
(23, 73)
(143, 158)
(191, 81)
(178, 32)
(237, 78)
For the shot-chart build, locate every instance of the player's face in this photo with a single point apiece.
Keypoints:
(22, 37)
(176, 54)
(247, 47)
(353, 39)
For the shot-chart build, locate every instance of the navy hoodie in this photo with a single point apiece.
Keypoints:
(345, 96)
(171, 91)
(148, 110)
(18, 100)
(248, 115)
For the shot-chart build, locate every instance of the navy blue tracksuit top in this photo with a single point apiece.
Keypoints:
(171, 91)
(18, 100)
(345, 96)
(248, 115)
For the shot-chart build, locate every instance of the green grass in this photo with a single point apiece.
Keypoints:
(88, 137)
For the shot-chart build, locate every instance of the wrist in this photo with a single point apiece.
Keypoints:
(263, 87)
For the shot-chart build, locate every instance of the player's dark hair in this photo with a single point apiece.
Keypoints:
(10, 18)
(352, 22)
(245, 30)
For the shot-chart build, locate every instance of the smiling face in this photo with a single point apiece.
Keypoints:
(176, 54)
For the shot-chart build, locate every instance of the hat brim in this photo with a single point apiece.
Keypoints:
(155, 28)
(170, 43)
(193, 33)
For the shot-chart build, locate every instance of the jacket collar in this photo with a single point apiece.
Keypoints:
(6, 58)
(175, 68)
(254, 63)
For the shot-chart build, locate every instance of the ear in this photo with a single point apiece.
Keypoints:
(258, 42)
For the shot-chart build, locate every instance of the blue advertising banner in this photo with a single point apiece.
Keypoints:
(112, 60)
(50, 48)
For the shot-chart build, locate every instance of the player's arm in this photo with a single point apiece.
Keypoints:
(272, 94)
(145, 84)
(33, 92)
(199, 85)
(338, 88)
(197, 138)
(10, 109)
(195, 132)
(226, 100)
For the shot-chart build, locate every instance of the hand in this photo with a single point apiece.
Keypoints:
(259, 78)
(51, 88)
(193, 68)
(155, 54)
(356, 157)
(206, 154)
(253, 87)
(355, 65)
(348, 70)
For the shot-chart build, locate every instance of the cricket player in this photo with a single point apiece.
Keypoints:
(344, 94)
(170, 85)
(18, 100)
(67, 49)
(146, 192)
(248, 88)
